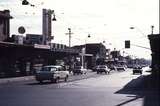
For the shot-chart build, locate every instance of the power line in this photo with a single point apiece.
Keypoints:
(140, 46)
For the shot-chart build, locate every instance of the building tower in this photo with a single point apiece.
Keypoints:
(4, 24)
(47, 26)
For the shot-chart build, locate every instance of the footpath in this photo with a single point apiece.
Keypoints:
(27, 78)
(15, 79)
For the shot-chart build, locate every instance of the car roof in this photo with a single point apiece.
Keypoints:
(56, 66)
(101, 65)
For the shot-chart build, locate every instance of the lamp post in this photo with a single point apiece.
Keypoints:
(86, 41)
(152, 27)
(84, 51)
(138, 30)
(69, 33)
(69, 57)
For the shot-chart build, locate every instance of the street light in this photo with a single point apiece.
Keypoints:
(69, 33)
(54, 16)
(138, 30)
(143, 35)
(25, 2)
(86, 41)
(152, 27)
(84, 50)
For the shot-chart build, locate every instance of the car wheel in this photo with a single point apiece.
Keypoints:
(52, 80)
(56, 80)
(41, 81)
(108, 72)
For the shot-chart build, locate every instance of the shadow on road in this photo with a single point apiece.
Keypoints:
(37, 83)
(146, 87)
(45, 82)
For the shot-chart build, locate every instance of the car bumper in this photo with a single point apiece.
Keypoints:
(40, 77)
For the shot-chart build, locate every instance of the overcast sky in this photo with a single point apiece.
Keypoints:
(104, 20)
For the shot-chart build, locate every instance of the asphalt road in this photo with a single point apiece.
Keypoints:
(116, 89)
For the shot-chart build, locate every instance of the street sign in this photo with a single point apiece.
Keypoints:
(21, 30)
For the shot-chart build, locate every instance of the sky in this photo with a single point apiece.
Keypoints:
(103, 20)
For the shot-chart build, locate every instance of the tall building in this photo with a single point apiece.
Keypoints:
(4, 24)
(47, 26)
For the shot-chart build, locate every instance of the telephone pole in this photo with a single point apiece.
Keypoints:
(152, 28)
(69, 33)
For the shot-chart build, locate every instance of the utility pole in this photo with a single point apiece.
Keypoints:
(152, 27)
(70, 63)
(69, 33)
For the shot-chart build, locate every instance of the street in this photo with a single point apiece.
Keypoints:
(116, 89)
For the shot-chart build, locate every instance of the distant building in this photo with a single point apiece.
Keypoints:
(155, 48)
(115, 55)
(4, 24)
(98, 50)
(116, 59)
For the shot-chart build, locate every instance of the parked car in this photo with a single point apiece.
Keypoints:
(52, 73)
(137, 70)
(79, 70)
(120, 68)
(111, 67)
(130, 66)
(103, 68)
(94, 69)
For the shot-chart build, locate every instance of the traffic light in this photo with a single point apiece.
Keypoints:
(127, 44)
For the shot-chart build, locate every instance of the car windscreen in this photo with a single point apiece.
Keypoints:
(49, 69)
(102, 66)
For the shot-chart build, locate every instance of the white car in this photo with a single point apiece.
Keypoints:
(79, 70)
(102, 68)
(52, 73)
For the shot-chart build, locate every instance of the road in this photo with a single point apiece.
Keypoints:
(115, 89)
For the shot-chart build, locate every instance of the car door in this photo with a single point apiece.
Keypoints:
(62, 72)
(56, 72)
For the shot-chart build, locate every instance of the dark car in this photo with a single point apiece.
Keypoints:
(111, 67)
(94, 69)
(137, 70)
(120, 68)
